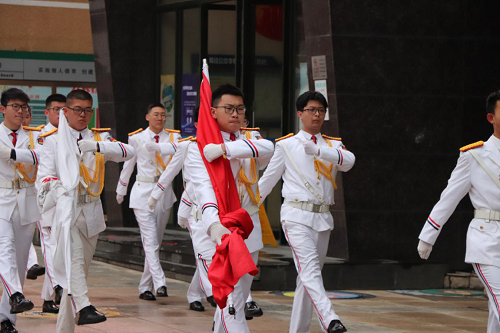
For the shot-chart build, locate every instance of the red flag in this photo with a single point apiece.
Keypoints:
(232, 259)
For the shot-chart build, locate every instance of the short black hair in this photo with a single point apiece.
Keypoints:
(155, 105)
(491, 101)
(310, 96)
(225, 89)
(12, 94)
(79, 94)
(55, 98)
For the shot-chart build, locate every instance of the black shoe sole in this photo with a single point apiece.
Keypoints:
(22, 310)
(50, 311)
(197, 309)
(146, 299)
(254, 314)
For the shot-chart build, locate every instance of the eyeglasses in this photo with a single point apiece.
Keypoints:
(16, 107)
(79, 111)
(313, 111)
(56, 108)
(160, 115)
(231, 109)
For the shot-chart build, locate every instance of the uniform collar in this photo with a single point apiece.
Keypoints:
(227, 136)
(8, 130)
(49, 127)
(76, 134)
(153, 134)
(495, 141)
(308, 136)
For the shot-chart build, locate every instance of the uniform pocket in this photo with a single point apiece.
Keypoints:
(484, 226)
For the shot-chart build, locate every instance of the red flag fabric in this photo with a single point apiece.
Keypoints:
(232, 259)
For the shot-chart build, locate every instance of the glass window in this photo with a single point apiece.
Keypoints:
(167, 76)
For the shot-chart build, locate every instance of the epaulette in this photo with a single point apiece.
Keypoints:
(41, 126)
(135, 132)
(28, 128)
(250, 128)
(284, 137)
(168, 130)
(101, 129)
(472, 146)
(193, 139)
(185, 139)
(48, 133)
(331, 138)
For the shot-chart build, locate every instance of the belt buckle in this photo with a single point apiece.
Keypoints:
(316, 208)
(17, 184)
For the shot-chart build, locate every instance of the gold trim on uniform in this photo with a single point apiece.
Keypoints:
(284, 137)
(107, 129)
(472, 146)
(331, 137)
(250, 129)
(28, 128)
(185, 139)
(135, 132)
(44, 135)
(168, 130)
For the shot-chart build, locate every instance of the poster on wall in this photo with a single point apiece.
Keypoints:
(167, 97)
(188, 104)
(94, 122)
(37, 95)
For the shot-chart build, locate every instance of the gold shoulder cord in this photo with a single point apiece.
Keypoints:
(159, 160)
(321, 168)
(98, 173)
(22, 170)
(243, 181)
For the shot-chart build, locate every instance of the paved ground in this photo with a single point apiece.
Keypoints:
(114, 290)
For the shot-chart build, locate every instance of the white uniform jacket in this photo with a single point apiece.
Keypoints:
(483, 236)
(112, 151)
(148, 167)
(294, 188)
(237, 152)
(28, 157)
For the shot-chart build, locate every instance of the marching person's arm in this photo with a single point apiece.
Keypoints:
(262, 161)
(127, 170)
(167, 148)
(258, 149)
(273, 172)
(343, 158)
(458, 186)
(168, 175)
(115, 151)
(47, 170)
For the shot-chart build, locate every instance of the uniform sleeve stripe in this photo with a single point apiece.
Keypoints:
(122, 182)
(432, 225)
(341, 156)
(208, 205)
(338, 152)
(256, 151)
(432, 221)
(251, 148)
(160, 186)
(189, 204)
(173, 145)
(124, 151)
(35, 158)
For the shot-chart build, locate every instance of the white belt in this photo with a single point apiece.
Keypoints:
(491, 215)
(309, 206)
(15, 184)
(147, 179)
(86, 198)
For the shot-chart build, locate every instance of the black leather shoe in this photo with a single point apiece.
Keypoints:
(147, 296)
(336, 327)
(211, 300)
(162, 292)
(89, 315)
(35, 271)
(7, 327)
(58, 293)
(252, 310)
(18, 303)
(50, 307)
(196, 306)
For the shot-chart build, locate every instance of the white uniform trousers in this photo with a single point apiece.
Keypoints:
(15, 240)
(309, 249)
(32, 258)
(226, 323)
(490, 277)
(152, 226)
(82, 251)
(202, 267)
(195, 292)
(49, 283)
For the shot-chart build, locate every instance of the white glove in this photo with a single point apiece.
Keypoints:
(87, 146)
(311, 148)
(119, 198)
(212, 151)
(152, 147)
(5, 152)
(424, 249)
(183, 223)
(152, 203)
(216, 231)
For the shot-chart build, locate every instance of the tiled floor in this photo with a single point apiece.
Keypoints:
(114, 290)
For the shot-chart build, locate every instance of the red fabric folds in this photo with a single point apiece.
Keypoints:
(232, 259)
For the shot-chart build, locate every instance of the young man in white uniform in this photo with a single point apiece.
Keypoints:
(154, 148)
(228, 110)
(18, 208)
(95, 146)
(308, 163)
(476, 173)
